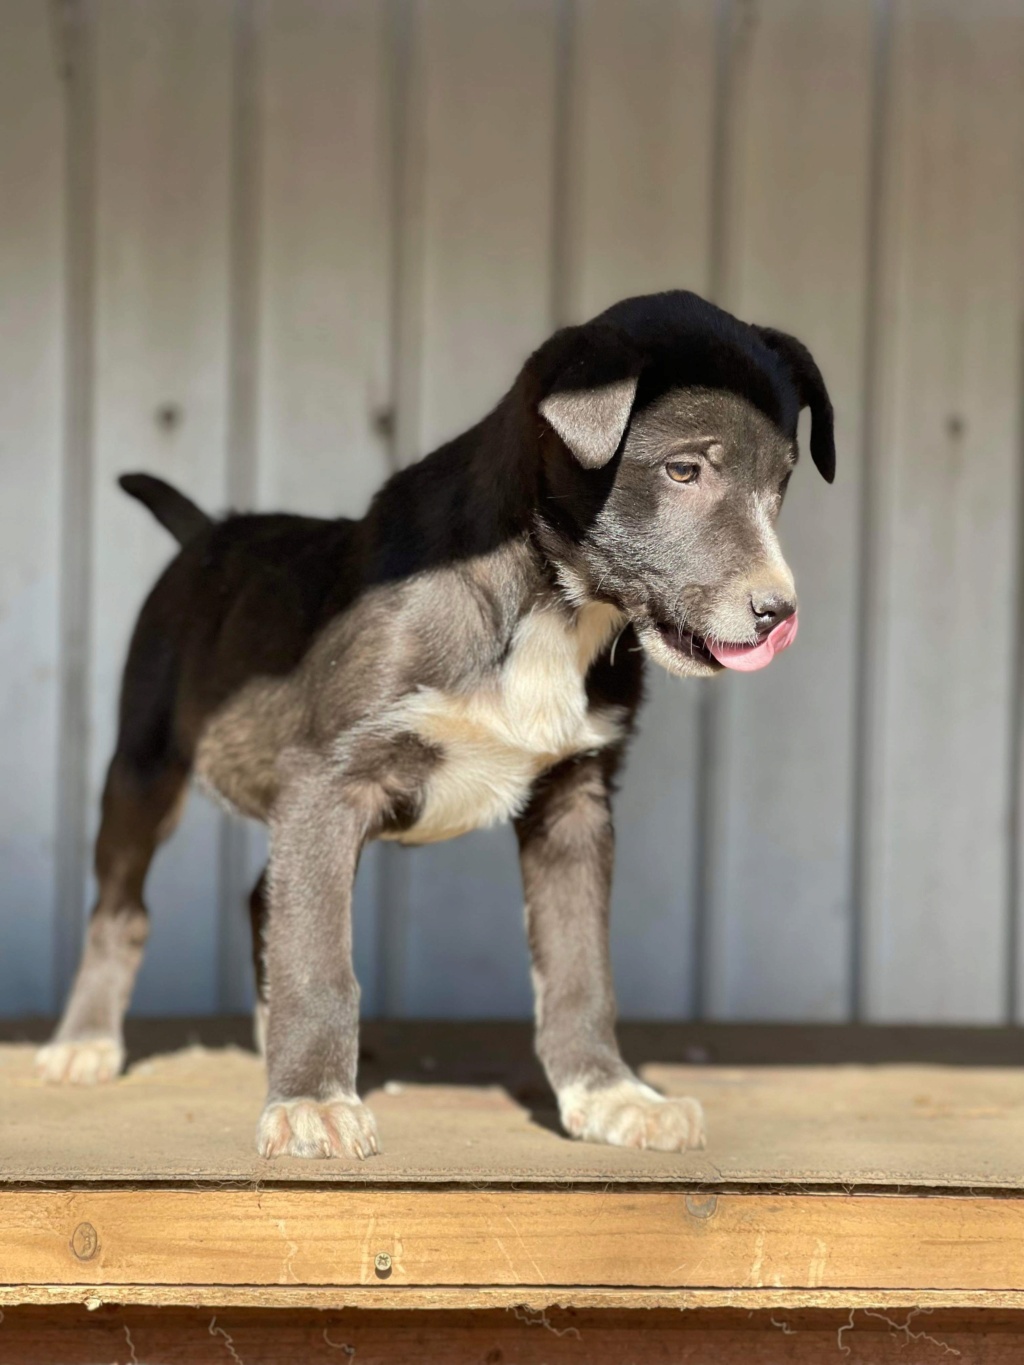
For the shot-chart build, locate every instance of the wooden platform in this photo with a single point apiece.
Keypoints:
(841, 1186)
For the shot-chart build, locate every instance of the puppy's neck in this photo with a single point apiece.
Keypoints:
(469, 498)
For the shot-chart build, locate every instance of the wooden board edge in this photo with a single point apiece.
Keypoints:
(483, 1297)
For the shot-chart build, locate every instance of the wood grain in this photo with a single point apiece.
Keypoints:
(482, 1297)
(938, 796)
(286, 1236)
(31, 344)
(779, 923)
(161, 400)
(174, 1337)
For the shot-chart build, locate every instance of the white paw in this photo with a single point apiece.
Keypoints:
(631, 1114)
(314, 1128)
(81, 1061)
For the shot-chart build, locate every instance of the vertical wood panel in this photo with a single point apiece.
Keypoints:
(325, 284)
(242, 852)
(779, 911)
(486, 138)
(642, 120)
(326, 255)
(31, 341)
(76, 37)
(939, 800)
(488, 141)
(639, 218)
(163, 136)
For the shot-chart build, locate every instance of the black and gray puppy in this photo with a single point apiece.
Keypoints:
(470, 652)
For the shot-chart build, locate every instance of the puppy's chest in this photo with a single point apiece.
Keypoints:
(495, 741)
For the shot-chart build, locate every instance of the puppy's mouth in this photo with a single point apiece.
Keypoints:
(687, 643)
(744, 657)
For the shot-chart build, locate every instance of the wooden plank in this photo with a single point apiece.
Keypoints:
(938, 798)
(480, 1298)
(163, 123)
(779, 914)
(519, 1334)
(638, 218)
(485, 78)
(31, 342)
(527, 1237)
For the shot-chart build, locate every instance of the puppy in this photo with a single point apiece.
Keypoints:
(470, 652)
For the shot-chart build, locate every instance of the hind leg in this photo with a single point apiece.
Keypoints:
(139, 811)
(258, 919)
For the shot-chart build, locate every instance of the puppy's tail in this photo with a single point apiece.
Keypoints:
(172, 509)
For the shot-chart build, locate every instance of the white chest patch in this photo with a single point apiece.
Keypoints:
(498, 739)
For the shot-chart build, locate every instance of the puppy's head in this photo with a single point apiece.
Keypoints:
(667, 439)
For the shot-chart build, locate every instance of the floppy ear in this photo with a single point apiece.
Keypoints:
(813, 394)
(590, 399)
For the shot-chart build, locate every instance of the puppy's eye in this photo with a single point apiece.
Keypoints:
(683, 471)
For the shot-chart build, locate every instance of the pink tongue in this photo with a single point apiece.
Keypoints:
(749, 658)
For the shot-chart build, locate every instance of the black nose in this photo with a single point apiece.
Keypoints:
(770, 608)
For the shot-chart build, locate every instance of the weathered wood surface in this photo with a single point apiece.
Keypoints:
(31, 361)
(468, 1114)
(870, 1337)
(938, 796)
(483, 1297)
(780, 917)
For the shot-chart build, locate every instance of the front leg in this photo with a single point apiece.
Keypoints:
(312, 1109)
(566, 847)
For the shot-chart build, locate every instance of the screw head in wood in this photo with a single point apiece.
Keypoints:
(84, 1242)
(698, 1206)
(382, 1264)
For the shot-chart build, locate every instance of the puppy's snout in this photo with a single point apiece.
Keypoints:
(770, 606)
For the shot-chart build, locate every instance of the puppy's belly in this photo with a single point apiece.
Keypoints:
(482, 780)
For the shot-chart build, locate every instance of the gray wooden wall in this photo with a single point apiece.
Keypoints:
(270, 249)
